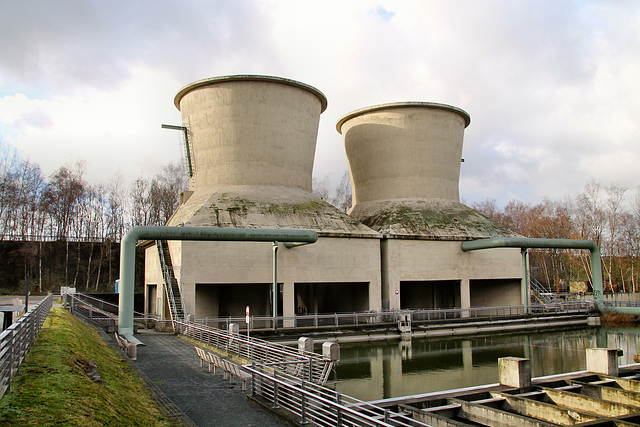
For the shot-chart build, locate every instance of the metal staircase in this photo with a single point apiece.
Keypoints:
(174, 296)
(540, 293)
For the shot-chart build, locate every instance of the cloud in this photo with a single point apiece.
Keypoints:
(550, 85)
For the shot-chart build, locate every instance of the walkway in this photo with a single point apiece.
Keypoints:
(207, 399)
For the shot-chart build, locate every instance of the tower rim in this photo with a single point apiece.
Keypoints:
(412, 104)
(249, 78)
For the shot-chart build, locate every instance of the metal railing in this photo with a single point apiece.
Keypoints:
(316, 404)
(17, 339)
(102, 313)
(83, 306)
(392, 317)
(285, 359)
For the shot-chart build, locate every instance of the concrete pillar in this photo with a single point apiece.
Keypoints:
(288, 303)
(514, 372)
(465, 296)
(603, 361)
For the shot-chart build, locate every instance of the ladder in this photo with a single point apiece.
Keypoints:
(174, 296)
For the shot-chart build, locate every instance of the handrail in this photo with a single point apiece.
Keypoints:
(305, 364)
(390, 317)
(168, 281)
(16, 341)
(323, 406)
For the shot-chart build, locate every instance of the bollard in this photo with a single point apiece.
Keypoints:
(331, 351)
(603, 361)
(514, 372)
(305, 344)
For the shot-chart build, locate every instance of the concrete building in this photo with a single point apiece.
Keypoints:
(251, 145)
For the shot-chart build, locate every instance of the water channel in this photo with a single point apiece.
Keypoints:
(384, 369)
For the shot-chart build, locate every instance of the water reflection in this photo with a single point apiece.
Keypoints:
(384, 369)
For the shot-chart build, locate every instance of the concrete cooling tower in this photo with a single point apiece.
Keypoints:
(404, 160)
(251, 130)
(252, 143)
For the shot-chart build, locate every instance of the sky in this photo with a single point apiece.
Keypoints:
(551, 86)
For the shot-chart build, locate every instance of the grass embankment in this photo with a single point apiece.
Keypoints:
(52, 387)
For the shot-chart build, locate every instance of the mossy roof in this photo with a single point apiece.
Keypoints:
(266, 207)
(436, 219)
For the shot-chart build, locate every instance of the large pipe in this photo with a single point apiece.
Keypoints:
(135, 234)
(526, 243)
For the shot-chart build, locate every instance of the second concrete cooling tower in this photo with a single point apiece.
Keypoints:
(404, 150)
(404, 160)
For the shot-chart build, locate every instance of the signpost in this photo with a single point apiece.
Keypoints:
(246, 319)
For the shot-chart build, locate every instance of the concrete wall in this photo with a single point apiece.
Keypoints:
(429, 260)
(332, 260)
(479, 278)
(251, 130)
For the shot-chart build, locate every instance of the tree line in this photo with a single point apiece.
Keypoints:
(62, 230)
(64, 206)
(609, 215)
(65, 231)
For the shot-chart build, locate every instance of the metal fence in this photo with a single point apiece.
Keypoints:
(102, 313)
(17, 339)
(301, 364)
(317, 405)
(86, 310)
(392, 317)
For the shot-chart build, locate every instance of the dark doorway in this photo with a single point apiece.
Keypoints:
(430, 294)
(313, 298)
(231, 300)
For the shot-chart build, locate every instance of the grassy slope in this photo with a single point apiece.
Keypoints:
(52, 387)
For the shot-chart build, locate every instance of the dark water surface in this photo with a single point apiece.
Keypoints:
(383, 369)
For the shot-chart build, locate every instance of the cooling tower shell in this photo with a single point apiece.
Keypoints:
(251, 130)
(404, 150)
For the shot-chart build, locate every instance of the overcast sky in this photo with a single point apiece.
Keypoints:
(552, 87)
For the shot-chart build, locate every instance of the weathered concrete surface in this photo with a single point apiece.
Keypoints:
(207, 399)
(602, 361)
(251, 130)
(514, 371)
(400, 150)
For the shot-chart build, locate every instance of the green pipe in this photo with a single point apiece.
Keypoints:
(135, 234)
(526, 243)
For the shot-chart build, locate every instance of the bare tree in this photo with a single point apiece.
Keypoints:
(320, 188)
(488, 208)
(615, 196)
(343, 199)
(63, 195)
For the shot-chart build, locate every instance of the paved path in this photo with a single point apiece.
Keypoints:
(207, 399)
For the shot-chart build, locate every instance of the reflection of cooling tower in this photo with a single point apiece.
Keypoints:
(404, 150)
(251, 130)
